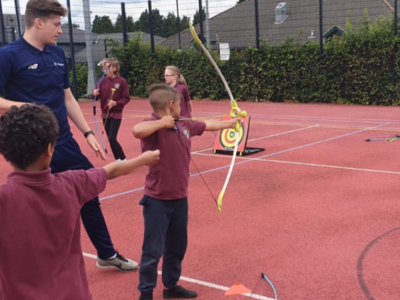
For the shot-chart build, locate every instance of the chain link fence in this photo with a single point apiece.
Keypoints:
(224, 25)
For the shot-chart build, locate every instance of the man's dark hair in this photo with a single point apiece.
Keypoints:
(26, 132)
(42, 9)
(160, 94)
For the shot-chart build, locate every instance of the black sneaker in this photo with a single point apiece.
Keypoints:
(178, 292)
(144, 296)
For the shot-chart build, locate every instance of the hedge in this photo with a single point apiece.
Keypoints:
(356, 68)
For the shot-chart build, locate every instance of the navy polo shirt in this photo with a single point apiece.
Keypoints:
(30, 75)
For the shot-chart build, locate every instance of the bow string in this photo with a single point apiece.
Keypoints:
(234, 112)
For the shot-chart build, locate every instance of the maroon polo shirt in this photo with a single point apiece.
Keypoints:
(40, 240)
(169, 178)
(185, 108)
(121, 96)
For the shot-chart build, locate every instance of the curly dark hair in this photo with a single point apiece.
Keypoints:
(26, 132)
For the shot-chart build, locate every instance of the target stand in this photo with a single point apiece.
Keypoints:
(226, 139)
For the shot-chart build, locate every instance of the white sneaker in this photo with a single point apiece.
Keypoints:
(119, 262)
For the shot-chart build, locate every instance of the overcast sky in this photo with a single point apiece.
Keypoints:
(133, 7)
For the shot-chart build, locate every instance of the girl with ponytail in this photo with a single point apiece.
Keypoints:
(175, 79)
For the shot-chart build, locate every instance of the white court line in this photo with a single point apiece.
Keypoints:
(259, 116)
(121, 194)
(310, 164)
(265, 137)
(267, 155)
(292, 149)
(201, 282)
(333, 167)
(142, 188)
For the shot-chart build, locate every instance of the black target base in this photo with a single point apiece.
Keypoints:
(247, 151)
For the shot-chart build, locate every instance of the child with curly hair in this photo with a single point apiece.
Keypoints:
(39, 211)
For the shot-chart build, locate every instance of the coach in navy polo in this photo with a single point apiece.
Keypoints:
(34, 70)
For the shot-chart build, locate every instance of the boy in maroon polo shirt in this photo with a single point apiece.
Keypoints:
(40, 248)
(165, 203)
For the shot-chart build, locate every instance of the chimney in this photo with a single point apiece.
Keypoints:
(280, 13)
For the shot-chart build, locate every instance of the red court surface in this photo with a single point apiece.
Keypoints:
(318, 211)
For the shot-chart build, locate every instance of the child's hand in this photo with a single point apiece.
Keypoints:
(96, 92)
(168, 121)
(151, 157)
(232, 122)
(111, 103)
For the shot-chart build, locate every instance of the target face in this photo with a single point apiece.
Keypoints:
(227, 138)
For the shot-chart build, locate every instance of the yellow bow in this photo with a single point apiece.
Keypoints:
(234, 113)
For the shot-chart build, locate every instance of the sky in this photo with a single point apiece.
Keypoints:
(133, 8)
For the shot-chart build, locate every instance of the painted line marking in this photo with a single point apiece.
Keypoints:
(327, 126)
(201, 282)
(326, 119)
(290, 149)
(142, 188)
(264, 137)
(261, 157)
(121, 194)
(311, 164)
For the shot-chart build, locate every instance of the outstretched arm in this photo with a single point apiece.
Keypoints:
(146, 128)
(213, 125)
(119, 168)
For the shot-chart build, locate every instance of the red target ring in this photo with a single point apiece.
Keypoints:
(227, 137)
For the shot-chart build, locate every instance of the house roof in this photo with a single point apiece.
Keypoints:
(100, 46)
(332, 31)
(236, 25)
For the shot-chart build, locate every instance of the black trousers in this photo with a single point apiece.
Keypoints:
(165, 235)
(111, 127)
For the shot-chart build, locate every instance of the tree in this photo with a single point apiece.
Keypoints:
(184, 23)
(196, 17)
(158, 22)
(143, 24)
(74, 25)
(130, 25)
(102, 25)
(170, 25)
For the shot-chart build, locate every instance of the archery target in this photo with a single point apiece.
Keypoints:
(227, 137)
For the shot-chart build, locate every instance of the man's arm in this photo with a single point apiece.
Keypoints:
(5, 104)
(6, 73)
(76, 116)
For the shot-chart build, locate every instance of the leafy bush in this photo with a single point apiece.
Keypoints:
(81, 79)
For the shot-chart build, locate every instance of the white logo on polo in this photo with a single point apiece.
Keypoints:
(117, 86)
(58, 64)
(33, 67)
